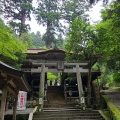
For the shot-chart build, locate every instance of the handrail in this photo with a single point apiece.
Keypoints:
(31, 114)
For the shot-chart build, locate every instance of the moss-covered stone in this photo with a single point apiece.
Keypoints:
(114, 111)
(105, 114)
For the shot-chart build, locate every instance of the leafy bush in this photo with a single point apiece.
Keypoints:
(11, 48)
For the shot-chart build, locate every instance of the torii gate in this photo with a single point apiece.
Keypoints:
(59, 66)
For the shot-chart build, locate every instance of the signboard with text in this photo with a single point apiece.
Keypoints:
(22, 97)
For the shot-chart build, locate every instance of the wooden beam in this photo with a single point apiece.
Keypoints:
(74, 64)
(55, 64)
(12, 83)
(3, 102)
(36, 70)
(11, 91)
(69, 70)
(4, 75)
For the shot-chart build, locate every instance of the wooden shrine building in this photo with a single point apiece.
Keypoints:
(39, 62)
(11, 81)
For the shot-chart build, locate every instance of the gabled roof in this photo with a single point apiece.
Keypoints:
(42, 54)
(36, 51)
(17, 77)
(32, 51)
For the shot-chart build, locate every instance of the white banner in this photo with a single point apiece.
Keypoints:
(22, 97)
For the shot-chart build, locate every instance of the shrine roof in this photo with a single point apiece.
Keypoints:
(32, 51)
(36, 51)
(17, 77)
(43, 54)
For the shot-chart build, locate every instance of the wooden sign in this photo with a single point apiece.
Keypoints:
(60, 65)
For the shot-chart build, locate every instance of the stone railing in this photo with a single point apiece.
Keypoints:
(31, 114)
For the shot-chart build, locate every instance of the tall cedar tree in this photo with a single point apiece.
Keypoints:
(73, 9)
(17, 10)
(48, 14)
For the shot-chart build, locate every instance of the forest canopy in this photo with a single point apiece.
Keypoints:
(97, 43)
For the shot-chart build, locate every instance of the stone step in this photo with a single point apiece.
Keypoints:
(62, 114)
(51, 109)
(67, 112)
(68, 115)
(81, 111)
(62, 108)
(48, 110)
(70, 118)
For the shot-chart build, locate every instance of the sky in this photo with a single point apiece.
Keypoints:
(94, 15)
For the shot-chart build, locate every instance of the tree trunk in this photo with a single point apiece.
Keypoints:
(48, 44)
(89, 88)
(22, 24)
(48, 39)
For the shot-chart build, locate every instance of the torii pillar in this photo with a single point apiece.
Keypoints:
(42, 83)
(79, 81)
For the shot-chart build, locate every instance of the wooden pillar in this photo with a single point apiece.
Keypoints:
(79, 81)
(42, 82)
(3, 102)
(15, 107)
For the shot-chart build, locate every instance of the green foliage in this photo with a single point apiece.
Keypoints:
(106, 77)
(11, 49)
(48, 14)
(27, 39)
(17, 11)
(81, 42)
(110, 37)
(71, 77)
(116, 76)
(82, 45)
(108, 34)
(33, 40)
(51, 76)
(72, 9)
(60, 42)
(37, 40)
(52, 14)
(19, 27)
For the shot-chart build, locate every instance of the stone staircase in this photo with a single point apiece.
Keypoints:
(55, 98)
(67, 113)
(57, 108)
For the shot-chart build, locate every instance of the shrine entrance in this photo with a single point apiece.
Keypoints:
(40, 62)
(63, 68)
(59, 67)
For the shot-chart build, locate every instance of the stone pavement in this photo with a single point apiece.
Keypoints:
(114, 96)
(26, 111)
